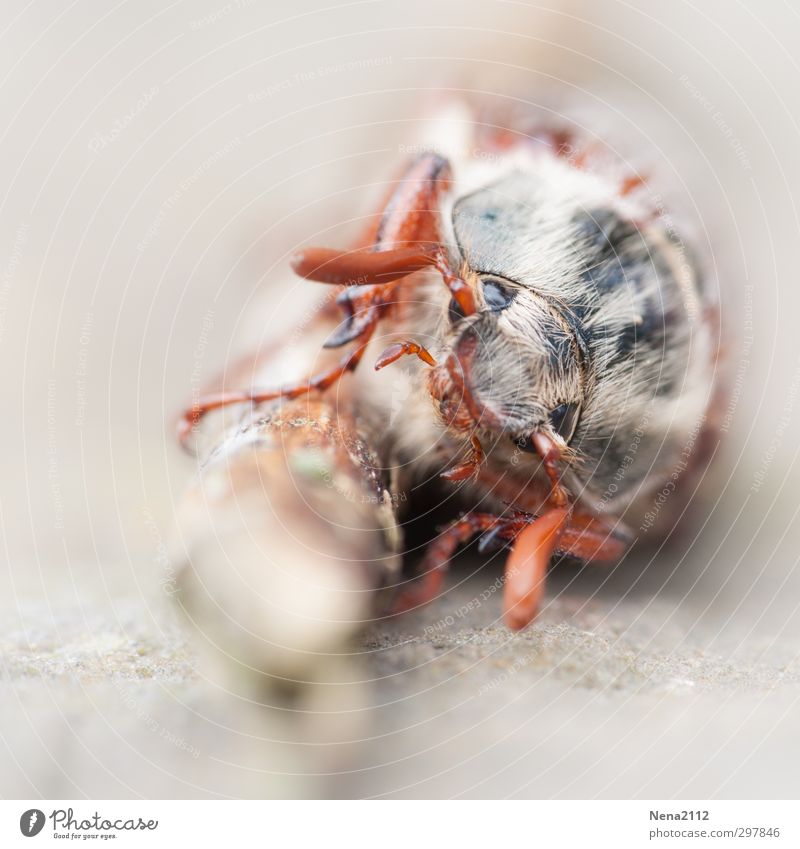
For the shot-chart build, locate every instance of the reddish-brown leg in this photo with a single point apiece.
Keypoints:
(535, 541)
(411, 218)
(437, 559)
(366, 267)
(459, 288)
(411, 214)
(550, 453)
(558, 531)
(402, 349)
(526, 567)
(525, 495)
(360, 267)
(629, 184)
(593, 540)
(320, 382)
(450, 383)
(583, 536)
(470, 467)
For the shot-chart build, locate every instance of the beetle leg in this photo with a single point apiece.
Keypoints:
(410, 218)
(536, 539)
(369, 267)
(359, 311)
(594, 540)
(557, 531)
(360, 267)
(629, 184)
(526, 567)
(401, 349)
(530, 496)
(450, 384)
(550, 453)
(470, 467)
(437, 559)
(192, 417)
(459, 288)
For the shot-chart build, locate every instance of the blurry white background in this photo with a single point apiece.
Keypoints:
(161, 161)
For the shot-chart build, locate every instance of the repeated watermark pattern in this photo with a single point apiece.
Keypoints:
(680, 466)
(744, 359)
(82, 368)
(101, 140)
(161, 558)
(9, 272)
(183, 187)
(784, 420)
(53, 475)
(627, 461)
(320, 72)
(132, 702)
(719, 121)
(519, 662)
(467, 608)
(474, 152)
(219, 15)
(195, 382)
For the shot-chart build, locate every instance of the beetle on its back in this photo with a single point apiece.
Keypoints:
(569, 359)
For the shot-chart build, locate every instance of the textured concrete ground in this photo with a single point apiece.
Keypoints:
(605, 696)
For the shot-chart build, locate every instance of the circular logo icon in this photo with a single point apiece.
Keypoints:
(31, 822)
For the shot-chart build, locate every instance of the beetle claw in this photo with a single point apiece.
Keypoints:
(492, 540)
(470, 467)
(401, 349)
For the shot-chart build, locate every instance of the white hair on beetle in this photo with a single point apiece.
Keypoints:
(520, 215)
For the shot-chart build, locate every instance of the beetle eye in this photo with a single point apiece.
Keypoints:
(496, 294)
(564, 420)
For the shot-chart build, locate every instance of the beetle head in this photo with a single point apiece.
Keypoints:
(514, 367)
(520, 364)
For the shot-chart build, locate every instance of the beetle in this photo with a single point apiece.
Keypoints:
(564, 347)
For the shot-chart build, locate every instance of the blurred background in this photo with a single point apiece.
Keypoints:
(159, 164)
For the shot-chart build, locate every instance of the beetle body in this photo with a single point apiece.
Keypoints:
(565, 372)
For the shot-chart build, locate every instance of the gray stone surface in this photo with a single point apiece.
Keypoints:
(603, 696)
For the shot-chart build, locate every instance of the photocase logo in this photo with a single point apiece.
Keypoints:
(31, 822)
(66, 825)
